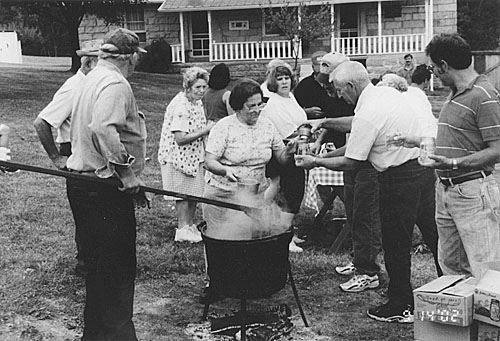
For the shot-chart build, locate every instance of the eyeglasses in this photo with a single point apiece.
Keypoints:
(259, 106)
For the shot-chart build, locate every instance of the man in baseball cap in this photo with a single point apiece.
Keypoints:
(121, 41)
(108, 140)
(329, 63)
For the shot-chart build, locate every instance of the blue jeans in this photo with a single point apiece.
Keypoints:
(106, 225)
(361, 188)
(406, 193)
(467, 217)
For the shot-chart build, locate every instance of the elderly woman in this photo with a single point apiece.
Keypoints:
(239, 147)
(181, 151)
(287, 115)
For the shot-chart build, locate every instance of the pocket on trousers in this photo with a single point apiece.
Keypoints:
(469, 190)
(494, 194)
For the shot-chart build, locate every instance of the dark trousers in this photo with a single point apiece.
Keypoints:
(106, 227)
(406, 197)
(361, 187)
(292, 184)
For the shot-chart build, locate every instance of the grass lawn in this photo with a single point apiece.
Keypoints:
(42, 299)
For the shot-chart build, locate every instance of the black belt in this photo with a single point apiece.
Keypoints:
(463, 178)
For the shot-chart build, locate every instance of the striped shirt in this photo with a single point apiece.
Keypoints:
(468, 120)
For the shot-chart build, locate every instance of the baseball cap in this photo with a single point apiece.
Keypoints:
(329, 63)
(316, 57)
(121, 41)
(89, 48)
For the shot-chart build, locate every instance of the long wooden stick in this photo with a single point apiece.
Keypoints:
(116, 183)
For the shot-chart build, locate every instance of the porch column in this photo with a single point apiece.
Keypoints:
(379, 16)
(332, 28)
(183, 46)
(297, 40)
(431, 19)
(209, 19)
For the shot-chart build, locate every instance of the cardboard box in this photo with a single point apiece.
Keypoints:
(487, 298)
(446, 300)
(431, 331)
(487, 332)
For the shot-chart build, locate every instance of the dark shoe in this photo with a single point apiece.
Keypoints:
(209, 296)
(392, 313)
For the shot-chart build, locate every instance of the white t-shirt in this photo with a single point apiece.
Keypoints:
(418, 101)
(285, 113)
(381, 110)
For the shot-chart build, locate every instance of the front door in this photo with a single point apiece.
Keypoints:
(349, 26)
(200, 42)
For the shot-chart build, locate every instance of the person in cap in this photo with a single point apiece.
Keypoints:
(108, 140)
(57, 115)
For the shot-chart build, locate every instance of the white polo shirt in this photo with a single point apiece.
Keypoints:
(381, 110)
(58, 112)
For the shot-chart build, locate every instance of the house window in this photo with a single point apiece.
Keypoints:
(134, 21)
(391, 9)
(238, 25)
(267, 27)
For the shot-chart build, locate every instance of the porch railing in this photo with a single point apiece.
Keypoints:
(380, 44)
(177, 53)
(252, 50)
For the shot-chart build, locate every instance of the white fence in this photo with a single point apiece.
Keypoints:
(404, 43)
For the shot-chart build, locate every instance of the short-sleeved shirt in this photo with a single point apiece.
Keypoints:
(245, 148)
(381, 110)
(186, 116)
(406, 73)
(468, 120)
(107, 128)
(58, 112)
(285, 113)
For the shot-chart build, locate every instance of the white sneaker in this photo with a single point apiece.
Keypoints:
(346, 270)
(188, 233)
(360, 282)
(297, 240)
(292, 247)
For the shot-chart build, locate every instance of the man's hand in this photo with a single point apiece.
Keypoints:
(141, 200)
(305, 161)
(59, 161)
(440, 162)
(314, 112)
(316, 147)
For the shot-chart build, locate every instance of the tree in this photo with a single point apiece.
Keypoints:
(479, 23)
(60, 19)
(300, 24)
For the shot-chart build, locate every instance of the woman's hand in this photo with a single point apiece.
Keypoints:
(230, 175)
(291, 146)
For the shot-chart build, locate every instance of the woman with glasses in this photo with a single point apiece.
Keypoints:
(238, 149)
(287, 115)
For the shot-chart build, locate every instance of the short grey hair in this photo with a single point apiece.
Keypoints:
(350, 71)
(394, 81)
(192, 74)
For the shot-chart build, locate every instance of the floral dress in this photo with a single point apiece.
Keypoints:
(181, 166)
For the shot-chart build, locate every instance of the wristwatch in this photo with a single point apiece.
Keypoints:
(454, 164)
